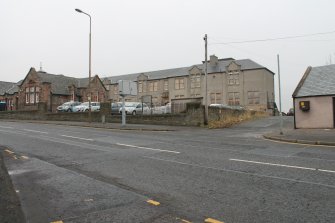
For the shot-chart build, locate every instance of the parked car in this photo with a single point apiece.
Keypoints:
(68, 106)
(234, 107)
(83, 107)
(115, 108)
(136, 108)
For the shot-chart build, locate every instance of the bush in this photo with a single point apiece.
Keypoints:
(225, 118)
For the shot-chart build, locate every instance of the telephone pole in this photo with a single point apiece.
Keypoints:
(206, 91)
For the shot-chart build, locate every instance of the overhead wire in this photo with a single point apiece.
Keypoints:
(272, 39)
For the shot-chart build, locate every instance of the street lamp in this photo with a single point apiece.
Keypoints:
(206, 84)
(89, 71)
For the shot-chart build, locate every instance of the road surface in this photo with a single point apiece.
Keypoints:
(76, 174)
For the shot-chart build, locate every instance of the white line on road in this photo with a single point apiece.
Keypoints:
(282, 165)
(329, 171)
(30, 130)
(241, 172)
(6, 127)
(146, 148)
(74, 137)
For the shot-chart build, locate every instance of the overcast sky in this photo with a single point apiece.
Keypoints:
(138, 36)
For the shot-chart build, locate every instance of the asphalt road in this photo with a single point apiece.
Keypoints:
(75, 174)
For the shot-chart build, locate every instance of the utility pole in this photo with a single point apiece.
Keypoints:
(280, 112)
(206, 90)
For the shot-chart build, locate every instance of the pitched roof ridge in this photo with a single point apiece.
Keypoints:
(302, 81)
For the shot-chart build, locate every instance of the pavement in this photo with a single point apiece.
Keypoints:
(304, 136)
(10, 207)
(117, 126)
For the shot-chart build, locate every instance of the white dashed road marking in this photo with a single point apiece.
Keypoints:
(282, 165)
(147, 148)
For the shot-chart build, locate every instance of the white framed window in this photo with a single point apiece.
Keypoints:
(32, 95)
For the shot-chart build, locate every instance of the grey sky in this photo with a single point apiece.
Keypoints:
(137, 36)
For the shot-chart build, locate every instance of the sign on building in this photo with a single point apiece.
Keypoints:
(127, 87)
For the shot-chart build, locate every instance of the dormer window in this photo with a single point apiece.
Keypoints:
(195, 81)
(233, 78)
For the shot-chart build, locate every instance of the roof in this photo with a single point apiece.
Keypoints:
(8, 88)
(317, 81)
(59, 83)
(246, 64)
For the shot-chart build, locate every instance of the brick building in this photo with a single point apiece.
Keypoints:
(8, 96)
(54, 90)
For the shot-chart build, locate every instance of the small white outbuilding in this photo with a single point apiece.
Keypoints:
(314, 98)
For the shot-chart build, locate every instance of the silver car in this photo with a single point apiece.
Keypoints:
(84, 107)
(136, 108)
(68, 106)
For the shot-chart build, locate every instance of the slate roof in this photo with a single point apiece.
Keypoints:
(60, 83)
(317, 81)
(8, 87)
(246, 64)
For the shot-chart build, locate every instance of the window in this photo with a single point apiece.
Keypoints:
(72, 96)
(166, 85)
(144, 89)
(179, 96)
(32, 95)
(140, 86)
(233, 98)
(253, 98)
(195, 81)
(233, 78)
(195, 95)
(153, 86)
(179, 83)
(215, 98)
(116, 90)
(96, 96)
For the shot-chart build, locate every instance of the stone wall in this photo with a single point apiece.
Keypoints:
(194, 116)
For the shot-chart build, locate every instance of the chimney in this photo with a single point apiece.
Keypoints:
(213, 60)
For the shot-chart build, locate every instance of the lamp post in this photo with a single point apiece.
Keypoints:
(89, 69)
(206, 84)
